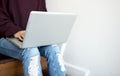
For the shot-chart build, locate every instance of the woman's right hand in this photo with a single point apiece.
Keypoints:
(20, 35)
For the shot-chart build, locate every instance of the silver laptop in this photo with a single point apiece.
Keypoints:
(46, 28)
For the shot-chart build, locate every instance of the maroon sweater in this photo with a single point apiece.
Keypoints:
(14, 14)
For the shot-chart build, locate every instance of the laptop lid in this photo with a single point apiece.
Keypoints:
(46, 28)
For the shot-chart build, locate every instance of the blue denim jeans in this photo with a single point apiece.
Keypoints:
(31, 58)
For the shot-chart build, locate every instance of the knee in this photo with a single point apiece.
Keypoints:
(30, 52)
(52, 50)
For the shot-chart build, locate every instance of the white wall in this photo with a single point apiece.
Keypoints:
(95, 39)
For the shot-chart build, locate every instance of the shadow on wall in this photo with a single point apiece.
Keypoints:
(73, 70)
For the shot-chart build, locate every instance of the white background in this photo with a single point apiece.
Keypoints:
(94, 42)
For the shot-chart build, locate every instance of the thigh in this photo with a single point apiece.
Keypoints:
(9, 49)
(48, 50)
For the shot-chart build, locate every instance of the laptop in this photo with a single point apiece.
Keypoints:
(46, 28)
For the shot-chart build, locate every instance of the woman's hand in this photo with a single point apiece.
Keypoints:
(20, 35)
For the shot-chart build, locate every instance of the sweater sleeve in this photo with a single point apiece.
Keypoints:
(7, 27)
(43, 5)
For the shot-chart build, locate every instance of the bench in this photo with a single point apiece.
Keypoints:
(13, 67)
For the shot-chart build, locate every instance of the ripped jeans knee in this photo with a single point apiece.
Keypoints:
(54, 59)
(31, 62)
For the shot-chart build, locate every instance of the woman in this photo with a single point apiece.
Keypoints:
(13, 19)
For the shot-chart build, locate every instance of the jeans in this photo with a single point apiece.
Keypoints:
(31, 58)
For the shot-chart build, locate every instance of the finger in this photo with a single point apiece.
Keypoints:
(22, 35)
(20, 38)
